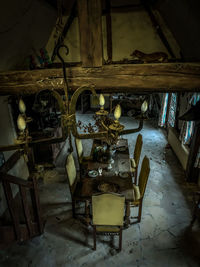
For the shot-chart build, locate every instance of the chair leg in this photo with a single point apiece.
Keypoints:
(120, 239)
(94, 237)
(140, 211)
(73, 208)
(81, 170)
(135, 176)
(87, 212)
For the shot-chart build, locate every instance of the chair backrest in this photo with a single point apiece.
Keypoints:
(144, 175)
(71, 172)
(108, 209)
(79, 148)
(137, 150)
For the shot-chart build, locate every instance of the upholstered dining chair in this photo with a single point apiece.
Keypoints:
(136, 157)
(74, 184)
(107, 215)
(81, 158)
(139, 190)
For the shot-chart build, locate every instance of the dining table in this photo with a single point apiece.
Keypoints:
(114, 177)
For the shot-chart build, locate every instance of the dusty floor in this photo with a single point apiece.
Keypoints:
(163, 238)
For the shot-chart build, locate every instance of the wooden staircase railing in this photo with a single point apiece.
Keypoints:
(24, 208)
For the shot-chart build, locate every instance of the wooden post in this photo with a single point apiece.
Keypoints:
(27, 214)
(12, 209)
(127, 214)
(37, 203)
(109, 30)
(90, 27)
(168, 109)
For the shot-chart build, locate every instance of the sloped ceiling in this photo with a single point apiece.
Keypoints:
(181, 16)
(20, 21)
(24, 25)
(183, 19)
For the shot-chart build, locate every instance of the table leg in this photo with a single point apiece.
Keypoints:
(127, 215)
(87, 212)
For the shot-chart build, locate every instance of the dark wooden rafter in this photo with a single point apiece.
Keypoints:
(90, 29)
(52, 3)
(11, 161)
(158, 28)
(109, 30)
(135, 78)
(72, 15)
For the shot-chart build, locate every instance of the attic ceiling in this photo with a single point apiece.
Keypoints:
(181, 16)
(27, 26)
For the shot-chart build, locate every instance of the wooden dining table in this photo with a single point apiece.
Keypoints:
(119, 176)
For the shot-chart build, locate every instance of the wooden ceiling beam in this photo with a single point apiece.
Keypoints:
(157, 77)
(90, 29)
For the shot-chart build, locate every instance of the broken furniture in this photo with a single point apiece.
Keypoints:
(128, 102)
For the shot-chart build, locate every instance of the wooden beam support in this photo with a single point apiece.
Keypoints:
(135, 78)
(90, 27)
(109, 30)
(11, 161)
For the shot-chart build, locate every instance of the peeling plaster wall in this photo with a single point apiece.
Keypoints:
(132, 31)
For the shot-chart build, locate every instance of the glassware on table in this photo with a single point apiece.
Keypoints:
(100, 170)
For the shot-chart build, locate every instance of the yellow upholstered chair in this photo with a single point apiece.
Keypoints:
(74, 184)
(81, 158)
(107, 215)
(139, 189)
(136, 156)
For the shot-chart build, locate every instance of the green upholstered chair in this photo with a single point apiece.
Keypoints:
(107, 215)
(74, 184)
(136, 157)
(81, 158)
(139, 189)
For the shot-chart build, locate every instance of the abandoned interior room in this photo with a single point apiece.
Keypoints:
(100, 133)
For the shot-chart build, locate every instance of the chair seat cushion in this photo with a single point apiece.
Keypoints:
(114, 229)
